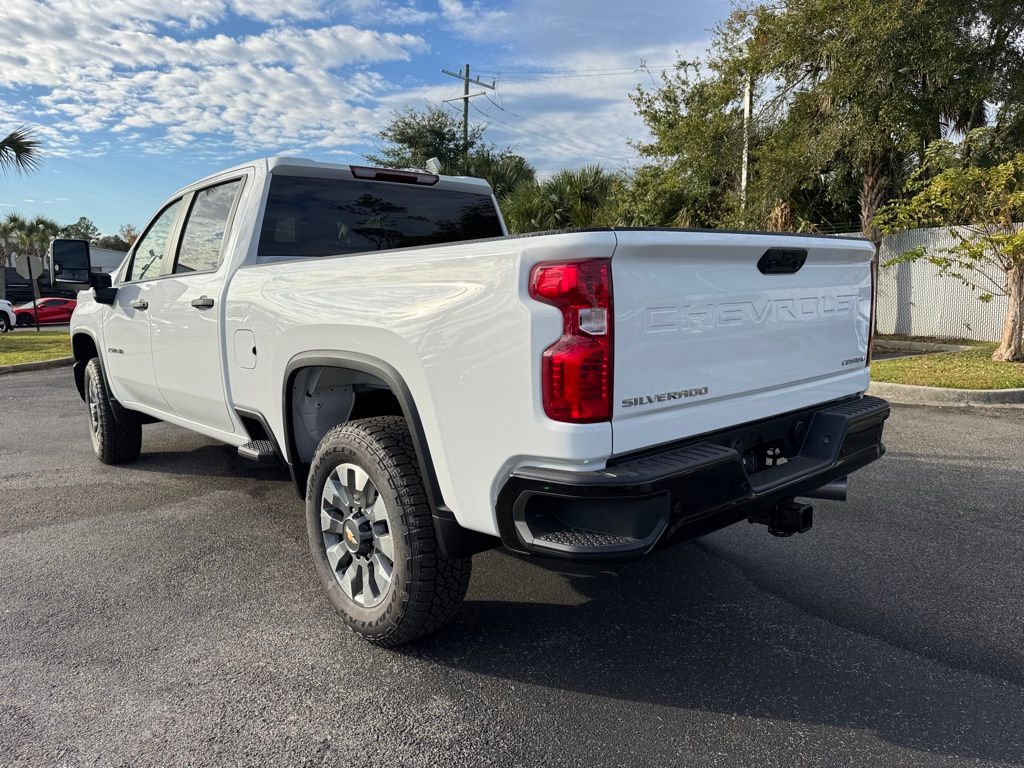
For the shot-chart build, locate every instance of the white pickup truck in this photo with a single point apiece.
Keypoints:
(437, 387)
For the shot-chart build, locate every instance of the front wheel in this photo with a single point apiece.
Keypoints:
(372, 537)
(114, 440)
(24, 320)
(5, 322)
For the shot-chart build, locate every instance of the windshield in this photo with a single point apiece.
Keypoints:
(323, 217)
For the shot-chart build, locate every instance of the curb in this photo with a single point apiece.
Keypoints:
(921, 346)
(42, 365)
(909, 394)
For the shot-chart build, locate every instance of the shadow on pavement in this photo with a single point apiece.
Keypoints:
(206, 460)
(684, 629)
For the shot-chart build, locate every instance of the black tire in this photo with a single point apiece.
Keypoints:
(426, 588)
(114, 440)
(5, 322)
(24, 321)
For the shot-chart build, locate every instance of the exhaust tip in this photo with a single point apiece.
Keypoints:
(834, 491)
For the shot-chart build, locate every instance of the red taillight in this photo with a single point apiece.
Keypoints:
(576, 371)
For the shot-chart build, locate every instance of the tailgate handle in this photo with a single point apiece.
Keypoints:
(782, 261)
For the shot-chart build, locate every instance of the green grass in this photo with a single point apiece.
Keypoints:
(32, 346)
(971, 369)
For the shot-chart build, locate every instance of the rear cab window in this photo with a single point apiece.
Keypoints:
(313, 217)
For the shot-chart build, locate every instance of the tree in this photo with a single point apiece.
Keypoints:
(981, 205)
(111, 243)
(571, 198)
(30, 236)
(414, 137)
(19, 150)
(7, 226)
(504, 170)
(11, 229)
(848, 94)
(686, 115)
(122, 241)
(83, 229)
(129, 233)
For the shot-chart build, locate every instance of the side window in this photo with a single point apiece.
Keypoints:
(152, 248)
(203, 239)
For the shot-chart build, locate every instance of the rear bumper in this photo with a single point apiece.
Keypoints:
(689, 489)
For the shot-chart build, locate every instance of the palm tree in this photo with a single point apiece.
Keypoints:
(28, 236)
(19, 150)
(570, 199)
(8, 226)
(504, 170)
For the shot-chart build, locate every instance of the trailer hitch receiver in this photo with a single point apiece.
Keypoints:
(786, 518)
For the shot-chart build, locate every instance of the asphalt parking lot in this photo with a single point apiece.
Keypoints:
(165, 613)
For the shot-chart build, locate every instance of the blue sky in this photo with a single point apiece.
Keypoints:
(135, 98)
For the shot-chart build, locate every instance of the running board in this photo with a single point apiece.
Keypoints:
(261, 451)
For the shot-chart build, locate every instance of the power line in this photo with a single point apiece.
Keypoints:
(532, 122)
(532, 128)
(520, 74)
(533, 132)
(575, 143)
(550, 129)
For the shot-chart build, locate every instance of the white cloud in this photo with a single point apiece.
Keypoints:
(401, 15)
(565, 70)
(470, 19)
(271, 10)
(580, 114)
(164, 77)
(129, 69)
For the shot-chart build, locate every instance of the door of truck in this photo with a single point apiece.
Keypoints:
(186, 313)
(127, 354)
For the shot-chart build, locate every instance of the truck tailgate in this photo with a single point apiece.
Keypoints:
(716, 329)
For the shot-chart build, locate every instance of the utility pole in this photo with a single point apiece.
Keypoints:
(748, 106)
(465, 97)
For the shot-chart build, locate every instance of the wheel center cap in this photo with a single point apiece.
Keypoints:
(357, 535)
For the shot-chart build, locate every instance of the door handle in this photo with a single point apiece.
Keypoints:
(203, 302)
(140, 304)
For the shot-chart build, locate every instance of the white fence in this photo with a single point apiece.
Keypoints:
(913, 300)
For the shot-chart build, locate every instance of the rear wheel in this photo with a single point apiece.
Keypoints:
(372, 537)
(114, 440)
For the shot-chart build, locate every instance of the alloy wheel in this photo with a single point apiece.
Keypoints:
(92, 402)
(356, 532)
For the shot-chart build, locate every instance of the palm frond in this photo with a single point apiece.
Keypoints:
(20, 150)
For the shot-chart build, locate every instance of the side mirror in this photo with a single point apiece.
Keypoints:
(70, 265)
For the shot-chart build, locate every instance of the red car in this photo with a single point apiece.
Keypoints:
(51, 311)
